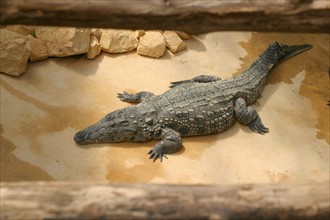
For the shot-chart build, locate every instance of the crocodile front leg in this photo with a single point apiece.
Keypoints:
(247, 115)
(197, 79)
(135, 98)
(170, 143)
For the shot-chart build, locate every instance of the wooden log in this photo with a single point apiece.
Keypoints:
(192, 16)
(75, 200)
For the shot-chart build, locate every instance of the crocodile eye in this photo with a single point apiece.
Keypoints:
(123, 123)
(128, 131)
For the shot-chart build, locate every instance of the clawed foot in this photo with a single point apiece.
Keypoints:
(155, 155)
(257, 126)
(134, 98)
(126, 97)
(170, 143)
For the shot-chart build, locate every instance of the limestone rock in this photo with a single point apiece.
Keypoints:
(183, 35)
(94, 48)
(64, 41)
(174, 42)
(97, 32)
(152, 44)
(22, 29)
(119, 41)
(140, 33)
(37, 48)
(13, 53)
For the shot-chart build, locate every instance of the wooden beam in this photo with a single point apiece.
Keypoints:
(75, 200)
(192, 16)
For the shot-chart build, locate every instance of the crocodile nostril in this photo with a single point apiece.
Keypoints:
(79, 137)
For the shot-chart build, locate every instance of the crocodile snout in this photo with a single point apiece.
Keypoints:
(80, 137)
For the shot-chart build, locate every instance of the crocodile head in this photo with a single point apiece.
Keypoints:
(114, 127)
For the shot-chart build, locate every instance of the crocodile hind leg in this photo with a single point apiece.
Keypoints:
(170, 143)
(197, 79)
(134, 98)
(247, 115)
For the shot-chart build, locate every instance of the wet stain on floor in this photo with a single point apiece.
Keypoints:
(14, 169)
(315, 62)
(51, 119)
(135, 169)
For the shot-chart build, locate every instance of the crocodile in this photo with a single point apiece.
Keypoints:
(203, 105)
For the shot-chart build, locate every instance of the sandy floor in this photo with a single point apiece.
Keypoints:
(42, 110)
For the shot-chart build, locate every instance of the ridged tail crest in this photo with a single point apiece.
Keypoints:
(277, 52)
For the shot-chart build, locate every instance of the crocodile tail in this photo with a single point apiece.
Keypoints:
(257, 72)
(277, 52)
